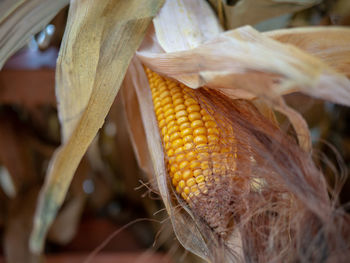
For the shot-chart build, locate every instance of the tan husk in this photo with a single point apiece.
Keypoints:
(20, 20)
(99, 42)
(330, 44)
(244, 63)
(253, 11)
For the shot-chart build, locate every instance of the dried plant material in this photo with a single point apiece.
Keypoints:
(190, 23)
(104, 35)
(23, 22)
(7, 7)
(239, 64)
(250, 12)
(330, 44)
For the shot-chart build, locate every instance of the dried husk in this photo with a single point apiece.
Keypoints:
(20, 20)
(250, 12)
(99, 42)
(244, 63)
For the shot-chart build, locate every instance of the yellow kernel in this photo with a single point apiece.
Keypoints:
(185, 132)
(174, 136)
(182, 184)
(173, 129)
(160, 117)
(197, 123)
(194, 116)
(205, 165)
(180, 107)
(178, 101)
(188, 146)
(178, 150)
(164, 94)
(213, 131)
(190, 101)
(200, 139)
(199, 131)
(188, 138)
(162, 123)
(183, 165)
(177, 143)
(213, 138)
(170, 118)
(210, 124)
(195, 164)
(197, 172)
(173, 168)
(203, 156)
(193, 108)
(185, 125)
(191, 155)
(169, 112)
(180, 158)
(165, 101)
(184, 195)
(200, 179)
(182, 120)
(181, 113)
(187, 190)
(191, 182)
(187, 174)
(177, 176)
(207, 118)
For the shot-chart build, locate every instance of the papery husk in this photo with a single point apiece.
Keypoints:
(250, 12)
(245, 64)
(20, 20)
(99, 42)
(330, 44)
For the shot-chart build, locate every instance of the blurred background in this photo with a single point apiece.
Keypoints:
(109, 194)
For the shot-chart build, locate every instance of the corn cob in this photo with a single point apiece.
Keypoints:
(199, 148)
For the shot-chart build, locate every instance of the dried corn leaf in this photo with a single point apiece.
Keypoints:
(190, 23)
(250, 12)
(23, 21)
(7, 7)
(100, 39)
(330, 44)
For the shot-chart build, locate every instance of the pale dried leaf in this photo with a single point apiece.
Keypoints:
(244, 63)
(104, 35)
(191, 22)
(26, 20)
(7, 7)
(250, 12)
(330, 44)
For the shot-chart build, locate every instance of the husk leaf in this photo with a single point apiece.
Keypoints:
(20, 20)
(330, 44)
(100, 40)
(250, 12)
(190, 23)
(239, 64)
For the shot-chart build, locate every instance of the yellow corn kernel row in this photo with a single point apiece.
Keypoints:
(194, 146)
